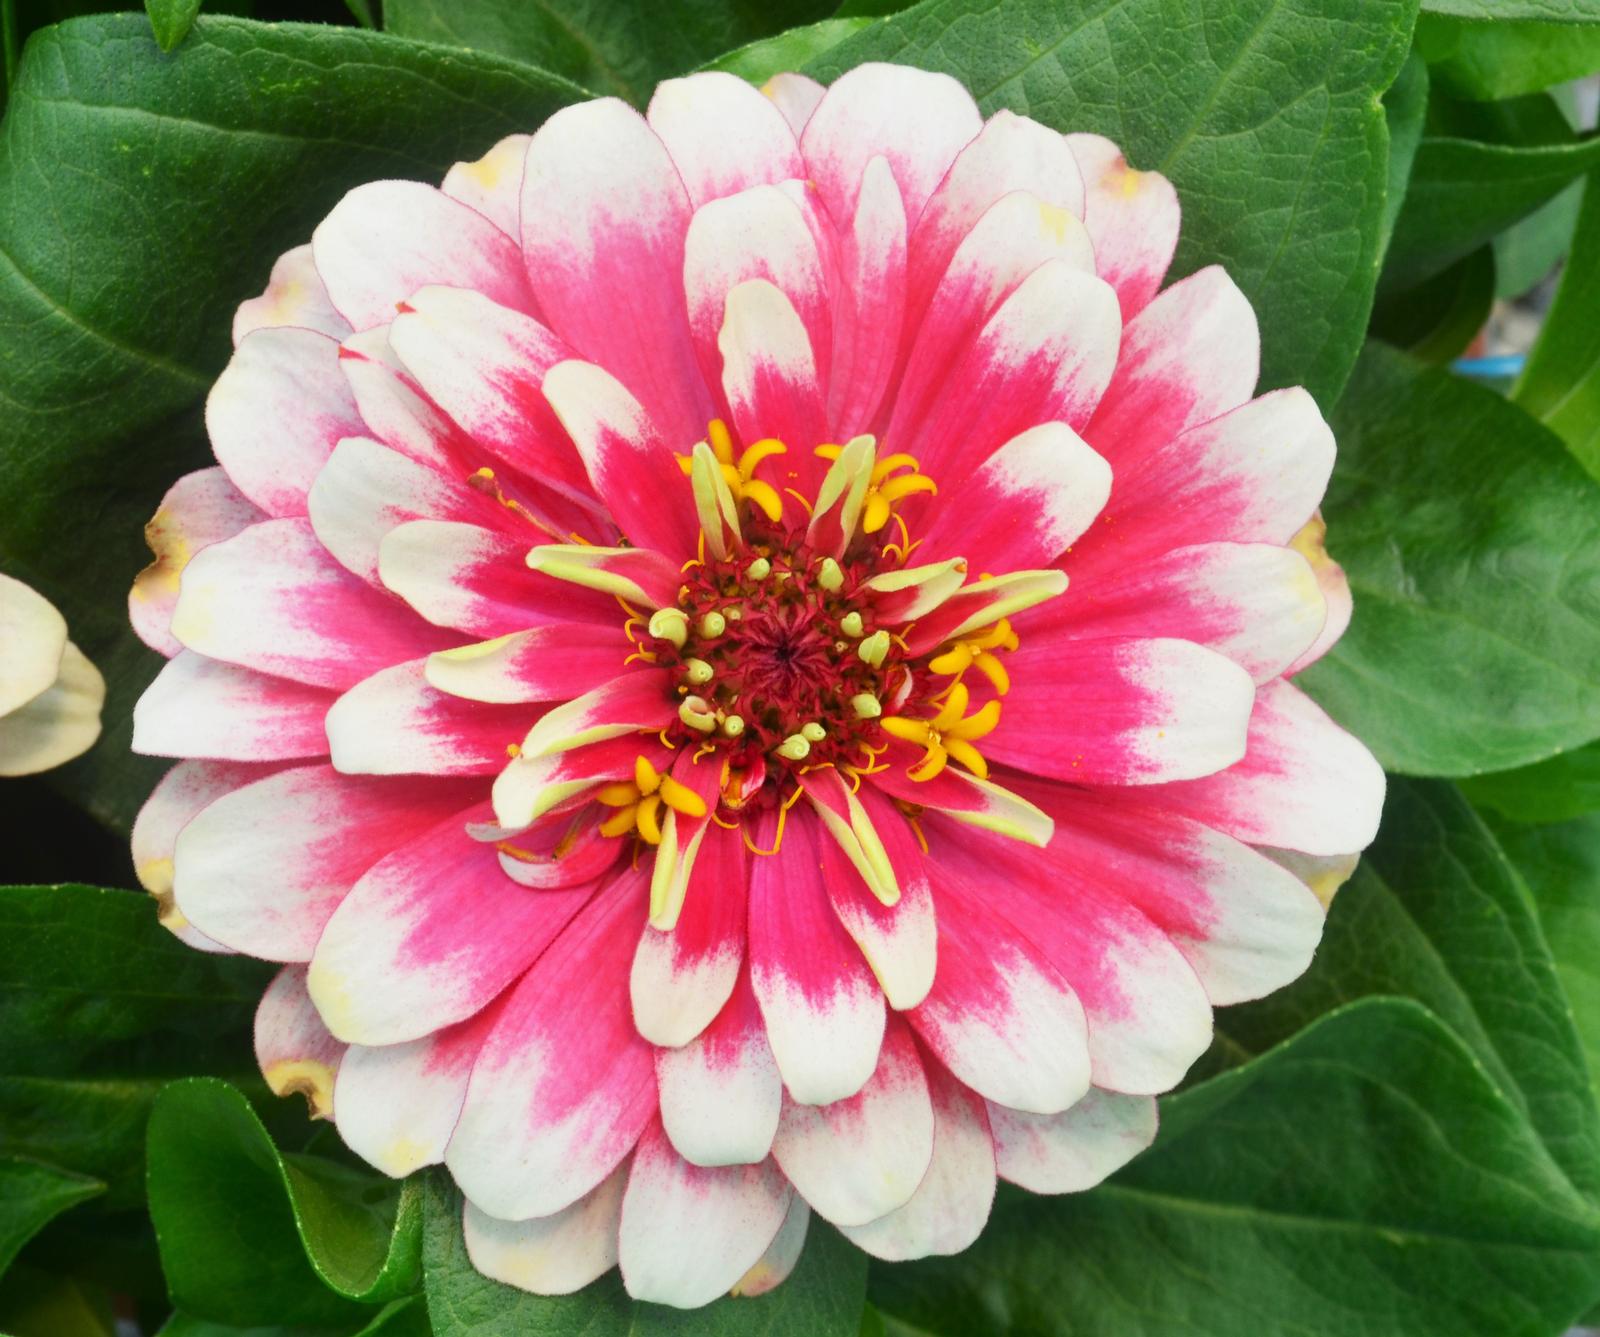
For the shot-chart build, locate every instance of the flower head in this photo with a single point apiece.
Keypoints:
(738, 658)
(50, 694)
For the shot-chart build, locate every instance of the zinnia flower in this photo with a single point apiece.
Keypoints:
(50, 694)
(738, 657)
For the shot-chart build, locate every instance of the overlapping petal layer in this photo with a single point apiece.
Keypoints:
(738, 658)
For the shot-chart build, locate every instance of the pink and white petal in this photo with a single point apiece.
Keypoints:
(293, 1048)
(549, 663)
(723, 136)
(951, 1205)
(182, 792)
(1252, 475)
(604, 213)
(682, 977)
(1132, 216)
(772, 1269)
(1045, 355)
(272, 598)
(869, 303)
(366, 489)
(470, 579)
(795, 95)
(769, 371)
(483, 365)
(690, 1232)
(1321, 874)
(386, 239)
(199, 707)
(396, 1105)
(564, 1085)
(629, 463)
(395, 723)
(395, 409)
(529, 787)
(761, 233)
(294, 296)
(1304, 784)
(1000, 1016)
(859, 1158)
(721, 1094)
(824, 1012)
(1148, 1014)
(1192, 354)
(1335, 587)
(276, 413)
(1076, 1149)
(555, 1254)
(636, 575)
(1011, 153)
(1025, 505)
(561, 852)
(915, 120)
(1246, 925)
(1256, 603)
(899, 941)
(962, 797)
(1018, 233)
(263, 867)
(635, 702)
(429, 936)
(492, 184)
(1139, 711)
(200, 509)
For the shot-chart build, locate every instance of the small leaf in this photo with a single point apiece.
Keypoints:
(1405, 109)
(759, 61)
(1472, 543)
(31, 1195)
(252, 1235)
(1557, 790)
(1364, 1177)
(1561, 386)
(1505, 58)
(1554, 11)
(822, 1298)
(1436, 320)
(171, 20)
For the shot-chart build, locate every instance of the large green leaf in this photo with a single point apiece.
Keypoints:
(1264, 113)
(31, 1195)
(622, 47)
(1365, 1177)
(1561, 864)
(1463, 192)
(1472, 543)
(250, 1234)
(142, 196)
(1436, 912)
(823, 1297)
(99, 1007)
(1561, 386)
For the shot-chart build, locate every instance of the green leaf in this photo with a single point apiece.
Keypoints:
(31, 1195)
(1553, 11)
(622, 47)
(399, 1318)
(1405, 109)
(1264, 114)
(1436, 320)
(183, 177)
(1436, 912)
(36, 1303)
(1561, 386)
(1364, 1177)
(1565, 786)
(1562, 867)
(759, 61)
(1472, 543)
(99, 1007)
(250, 1234)
(1505, 59)
(823, 1297)
(1526, 252)
(171, 20)
(1463, 192)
